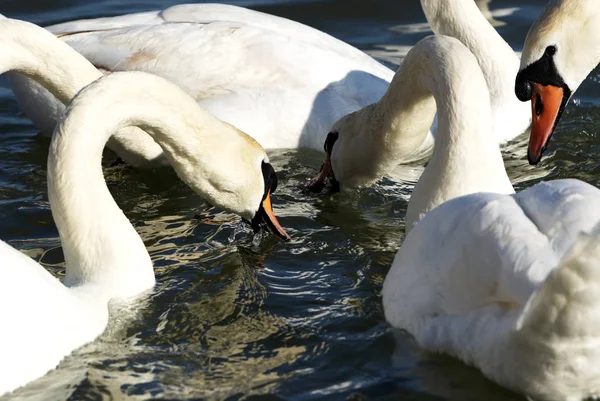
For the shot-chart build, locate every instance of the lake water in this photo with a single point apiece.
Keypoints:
(232, 320)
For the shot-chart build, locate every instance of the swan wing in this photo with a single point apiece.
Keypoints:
(283, 91)
(209, 13)
(282, 82)
(486, 249)
(220, 56)
(473, 279)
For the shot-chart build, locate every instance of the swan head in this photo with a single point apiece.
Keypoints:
(242, 185)
(560, 50)
(354, 155)
(350, 162)
(264, 216)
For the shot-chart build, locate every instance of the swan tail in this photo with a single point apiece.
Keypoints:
(557, 337)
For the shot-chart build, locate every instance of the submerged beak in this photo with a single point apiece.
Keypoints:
(317, 183)
(546, 104)
(266, 216)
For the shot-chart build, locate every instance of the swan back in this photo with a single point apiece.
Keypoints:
(481, 278)
(571, 26)
(558, 329)
(576, 273)
(466, 158)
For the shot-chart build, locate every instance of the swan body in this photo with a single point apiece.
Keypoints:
(491, 280)
(256, 79)
(502, 281)
(562, 47)
(368, 143)
(105, 258)
(43, 320)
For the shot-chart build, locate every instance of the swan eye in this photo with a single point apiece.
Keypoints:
(550, 51)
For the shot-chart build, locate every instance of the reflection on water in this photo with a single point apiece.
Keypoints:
(394, 53)
(233, 315)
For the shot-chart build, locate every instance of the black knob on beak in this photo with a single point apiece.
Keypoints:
(523, 88)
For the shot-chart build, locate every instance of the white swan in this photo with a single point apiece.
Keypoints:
(282, 82)
(480, 276)
(43, 320)
(562, 47)
(365, 145)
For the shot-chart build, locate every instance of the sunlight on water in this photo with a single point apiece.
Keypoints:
(236, 314)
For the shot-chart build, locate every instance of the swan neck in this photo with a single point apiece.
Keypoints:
(466, 157)
(36, 53)
(99, 242)
(463, 20)
(407, 110)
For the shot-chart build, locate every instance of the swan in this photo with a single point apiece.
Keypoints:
(282, 82)
(561, 48)
(502, 281)
(44, 320)
(365, 145)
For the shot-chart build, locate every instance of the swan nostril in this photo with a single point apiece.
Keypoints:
(539, 105)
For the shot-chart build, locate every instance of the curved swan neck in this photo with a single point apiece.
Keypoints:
(407, 109)
(462, 20)
(30, 50)
(99, 242)
(466, 158)
(375, 138)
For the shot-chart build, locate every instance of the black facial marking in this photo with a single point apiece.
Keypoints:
(270, 178)
(543, 72)
(332, 137)
(317, 184)
(330, 141)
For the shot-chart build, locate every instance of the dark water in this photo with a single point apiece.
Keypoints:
(233, 320)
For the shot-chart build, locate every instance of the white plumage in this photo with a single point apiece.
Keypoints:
(505, 282)
(43, 320)
(282, 82)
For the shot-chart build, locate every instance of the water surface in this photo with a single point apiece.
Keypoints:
(230, 319)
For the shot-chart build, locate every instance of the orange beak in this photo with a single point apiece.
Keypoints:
(316, 184)
(546, 101)
(270, 219)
